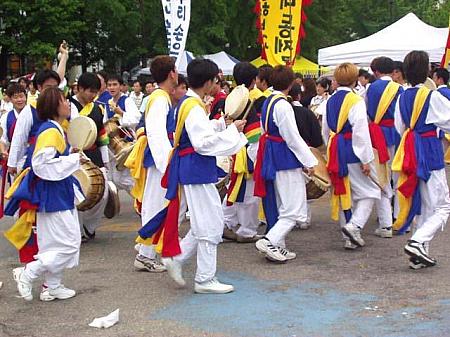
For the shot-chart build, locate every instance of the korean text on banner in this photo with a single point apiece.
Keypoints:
(177, 15)
(280, 25)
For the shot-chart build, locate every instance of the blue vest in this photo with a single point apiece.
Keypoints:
(429, 147)
(445, 92)
(32, 137)
(334, 105)
(120, 104)
(194, 168)
(276, 152)
(170, 128)
(49, 196)
(10, 124)
(374, 93)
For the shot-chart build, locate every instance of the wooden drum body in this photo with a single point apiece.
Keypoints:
(92, 183)
(320, 183)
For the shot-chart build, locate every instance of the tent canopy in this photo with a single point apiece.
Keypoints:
(395, 41)
(223, 60)
(302, 65)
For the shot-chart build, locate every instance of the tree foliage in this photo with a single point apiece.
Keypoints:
(123, 32)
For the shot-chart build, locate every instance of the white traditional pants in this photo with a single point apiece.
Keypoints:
(206, 218)
(435, 207)
(364, 194)
(243, 213)
(59, 239)
(290, 192)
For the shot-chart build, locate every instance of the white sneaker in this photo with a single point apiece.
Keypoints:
(213, 286)
(1, 285)
(272, 252)
(137, 247)
(287, 253)
(45, 295)
(24, 286)
(146, 264)
(303, 225)
(385, 232)
(61, 293)
(175, 270)
(349, 245)
(419, 253)
(354, 234)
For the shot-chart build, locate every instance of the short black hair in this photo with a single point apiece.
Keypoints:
(382, 64)
(46, 74)
(182, 80)
(416, 65)
(15, 88)
(244, 73)
(23, 79)
(201, 71)
(440, 73)
(325, 83)
(295, 91)
(298, 75)
(115, 77)
(398, 65)
(137, 81)
(103, 74)
(264, 73)
(364, 73)
(89, 81)
(161, 67)
(281, 77)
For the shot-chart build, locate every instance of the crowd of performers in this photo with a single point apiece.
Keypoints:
(383, 132)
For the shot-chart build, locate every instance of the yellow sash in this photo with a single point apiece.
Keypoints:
(385, 101)
(155, 95)
(397, 163)
(344, 200)
(19, 233)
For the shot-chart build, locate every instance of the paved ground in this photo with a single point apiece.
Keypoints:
(325, 292)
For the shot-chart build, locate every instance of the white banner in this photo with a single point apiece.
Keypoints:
(177, 15)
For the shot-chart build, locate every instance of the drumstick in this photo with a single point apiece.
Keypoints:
(320, 178)
(375, 181)
(248, 110)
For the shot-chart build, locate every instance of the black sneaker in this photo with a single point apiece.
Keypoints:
(417, 250)
(89, 235)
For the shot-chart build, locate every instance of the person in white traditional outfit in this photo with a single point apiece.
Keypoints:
(159, 127)
(129, 116)
(282, 157)
(83, 103)
(380, 99)
(241, 212)
(201, 140)
(420, 113)
(54, 192)
(345, 130)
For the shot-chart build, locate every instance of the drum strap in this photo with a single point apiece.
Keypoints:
(408, 162)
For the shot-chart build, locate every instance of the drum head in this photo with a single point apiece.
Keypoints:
(429, 83)
(224, 163)
(82, 133)
(321, 169)
(382, 170)
(1, 132)
(236, 101)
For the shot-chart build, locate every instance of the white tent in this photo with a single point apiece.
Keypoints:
(395, 41)
(185, 59)
(224, 61)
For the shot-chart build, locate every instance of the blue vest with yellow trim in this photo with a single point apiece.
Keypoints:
(32, 137)
(334, 105)
(49, 196)
(430, 147)
(281, 155)
(120, 103)
(195, 168)
(445, 92)
(374, 93)
(170, 128)
(10, 125)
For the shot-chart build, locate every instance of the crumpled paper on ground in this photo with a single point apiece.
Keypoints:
(106, 321)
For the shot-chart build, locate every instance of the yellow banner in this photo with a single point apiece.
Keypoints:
(280, 22)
